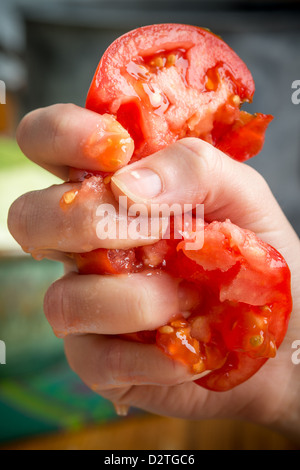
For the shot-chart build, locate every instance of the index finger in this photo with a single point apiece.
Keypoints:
(65, 135)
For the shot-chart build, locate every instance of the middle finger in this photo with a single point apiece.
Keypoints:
(119, 304)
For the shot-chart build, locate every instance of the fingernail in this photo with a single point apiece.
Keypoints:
(200, 376)
(139, 184)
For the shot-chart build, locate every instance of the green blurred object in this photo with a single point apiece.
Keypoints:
(38, 391)
(18, 175)
(30, 342)
(51, 400)
(11, 155)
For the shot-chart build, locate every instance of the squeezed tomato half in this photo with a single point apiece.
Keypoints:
(166, 82)
(245, 304)
(162, 83)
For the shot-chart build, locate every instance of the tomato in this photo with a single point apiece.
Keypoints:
(246, 136)
(245, 305)
(169, 81)
(162, 83)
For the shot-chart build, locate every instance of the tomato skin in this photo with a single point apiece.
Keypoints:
(229, 376)
(246, 303)
(245, 139)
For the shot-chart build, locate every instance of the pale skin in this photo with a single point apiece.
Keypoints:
(87, 310)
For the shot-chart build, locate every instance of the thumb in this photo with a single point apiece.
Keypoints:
(192, 171)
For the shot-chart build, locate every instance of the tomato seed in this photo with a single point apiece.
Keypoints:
(256, 340)
(107, 179)
(69, 196)
(199, 367)
(157, 62)
(167, 329)
(171, 60)
(179, 324)
(266, 309)
(236, 100)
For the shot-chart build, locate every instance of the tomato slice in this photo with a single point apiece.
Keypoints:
(169, 81)
(162, 83)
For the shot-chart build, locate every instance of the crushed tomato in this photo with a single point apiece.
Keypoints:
(163, 83)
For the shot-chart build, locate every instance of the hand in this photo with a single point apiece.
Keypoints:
(87, 310)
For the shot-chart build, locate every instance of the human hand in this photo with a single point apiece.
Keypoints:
(88, 310)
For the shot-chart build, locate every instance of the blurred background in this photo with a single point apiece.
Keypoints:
(49, 51)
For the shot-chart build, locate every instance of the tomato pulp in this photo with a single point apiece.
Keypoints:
(166, 82)
(162, 83)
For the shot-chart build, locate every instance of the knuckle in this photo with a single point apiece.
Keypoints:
(205, 157)
(13, 219)
(197, 146)
(23, 129)
(53, 120)
(59, 125)
(139, 303)
(82, 224)
(177, 375)
(113, 360)
(258, 179)
(20, 218)
(55, 306)
(212, 161)
(89, 220)
(71, 356)
(208, 160)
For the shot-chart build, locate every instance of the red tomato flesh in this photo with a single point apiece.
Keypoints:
(163, 83)
(169, 81)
